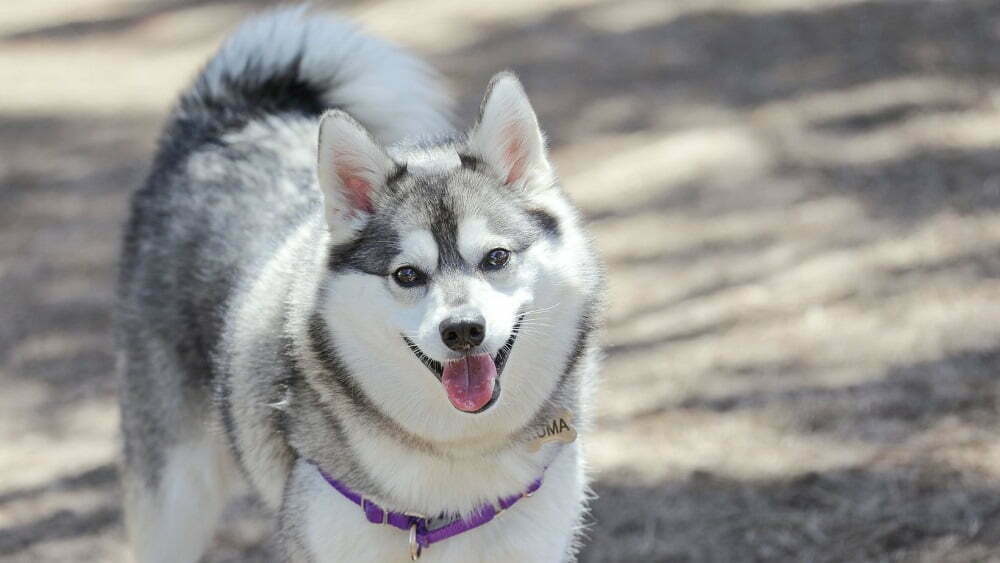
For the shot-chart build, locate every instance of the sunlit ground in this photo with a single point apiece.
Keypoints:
(797, 202)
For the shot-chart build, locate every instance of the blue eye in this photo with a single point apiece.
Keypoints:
(495, 259)
(408, 276)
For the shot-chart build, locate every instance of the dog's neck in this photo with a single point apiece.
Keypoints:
(455, 477)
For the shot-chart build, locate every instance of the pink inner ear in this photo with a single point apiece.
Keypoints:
(514, 153)
(357, 189)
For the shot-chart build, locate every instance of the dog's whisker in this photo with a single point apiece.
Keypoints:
(549, 308)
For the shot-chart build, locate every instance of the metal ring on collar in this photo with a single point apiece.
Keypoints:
(415, 548)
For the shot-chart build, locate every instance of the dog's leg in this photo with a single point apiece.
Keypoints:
(175, 519)
(176, 470)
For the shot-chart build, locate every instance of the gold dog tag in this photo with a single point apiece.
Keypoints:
(558, 429)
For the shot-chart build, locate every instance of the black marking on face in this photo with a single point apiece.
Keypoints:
(545, 221)
(444, 229)
(438, 207)
(372, 252)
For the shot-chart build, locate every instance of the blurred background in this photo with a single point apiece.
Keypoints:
(799, 206)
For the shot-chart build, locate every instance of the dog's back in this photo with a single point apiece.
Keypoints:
(233, 176)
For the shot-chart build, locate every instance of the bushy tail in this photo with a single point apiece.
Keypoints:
(291, 60)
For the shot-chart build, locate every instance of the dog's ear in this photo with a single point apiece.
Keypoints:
(507, 136)
(351, 165)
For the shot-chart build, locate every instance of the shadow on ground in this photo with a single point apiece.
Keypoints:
(845, 515)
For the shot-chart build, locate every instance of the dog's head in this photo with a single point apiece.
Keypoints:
(451, 267)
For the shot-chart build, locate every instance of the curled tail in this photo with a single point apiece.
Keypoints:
(292, 61)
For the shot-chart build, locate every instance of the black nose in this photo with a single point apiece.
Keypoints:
(462, 334)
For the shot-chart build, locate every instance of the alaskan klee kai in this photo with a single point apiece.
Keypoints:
(376, 321)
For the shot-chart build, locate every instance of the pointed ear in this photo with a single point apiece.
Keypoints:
(351, 165)
(507, 136)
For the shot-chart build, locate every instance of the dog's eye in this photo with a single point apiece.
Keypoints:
(408, 276)
(496, 259)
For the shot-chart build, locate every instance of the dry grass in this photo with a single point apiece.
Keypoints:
(797, 201)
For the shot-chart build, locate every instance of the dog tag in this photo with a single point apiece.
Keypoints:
(557, 429)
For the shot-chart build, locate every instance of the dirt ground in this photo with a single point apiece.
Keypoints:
(799, 206)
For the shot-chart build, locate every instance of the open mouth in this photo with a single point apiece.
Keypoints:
(472, 382)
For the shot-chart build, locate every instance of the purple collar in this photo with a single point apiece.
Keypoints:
(421, 536)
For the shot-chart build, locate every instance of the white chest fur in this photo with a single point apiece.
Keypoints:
(539, 528)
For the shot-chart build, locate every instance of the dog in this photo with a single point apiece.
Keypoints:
(385, 327)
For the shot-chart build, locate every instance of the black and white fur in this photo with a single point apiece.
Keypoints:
(261, 330)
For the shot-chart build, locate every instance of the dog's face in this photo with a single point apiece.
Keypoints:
(450, 263)
(442, 257)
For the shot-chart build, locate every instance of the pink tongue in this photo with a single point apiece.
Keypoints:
(469, 382)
